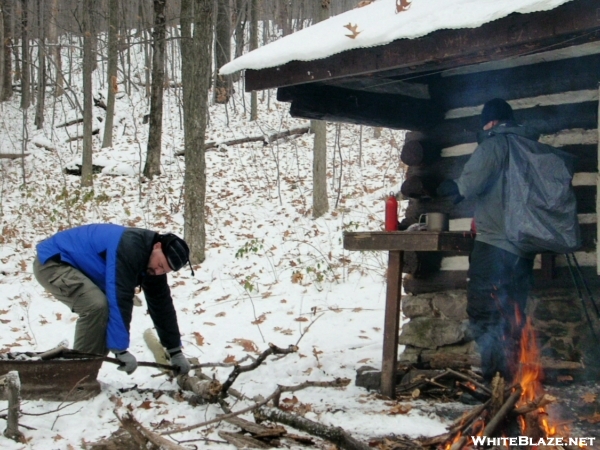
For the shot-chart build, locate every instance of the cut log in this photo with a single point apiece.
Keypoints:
(242, 441)
(13, 394)
(207, 390)
(417, 153)
(420, 187)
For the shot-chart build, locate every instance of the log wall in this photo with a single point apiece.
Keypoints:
(559, 98)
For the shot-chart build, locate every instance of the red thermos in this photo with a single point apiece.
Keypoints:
(391, 213)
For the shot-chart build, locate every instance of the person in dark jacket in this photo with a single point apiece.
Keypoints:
(500, 275)
(95, 269)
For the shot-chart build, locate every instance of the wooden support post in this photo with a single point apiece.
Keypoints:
(391, 324)
(13, 394)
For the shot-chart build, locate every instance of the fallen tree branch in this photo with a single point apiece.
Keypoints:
(272, 350)
(332, 434)
(490, 428)
(265, 139)
(338, 382)
(145, 438)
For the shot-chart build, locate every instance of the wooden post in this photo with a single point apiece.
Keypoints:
(391, 324)
(13, 394)
(598, 195)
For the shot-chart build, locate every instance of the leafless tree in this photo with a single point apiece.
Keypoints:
(88, 64)
(196, 42)
(152, 166)
(111, 71)
(41, 84)
(254, 14)
(319, 128)
(25, 85)
(55, 48)
(222, 90)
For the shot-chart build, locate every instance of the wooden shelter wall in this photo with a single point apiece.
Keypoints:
(556, 98)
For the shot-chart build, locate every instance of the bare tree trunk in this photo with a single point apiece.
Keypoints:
(55, 50)
(7, 10)
(196, 46)
(152, 166)
(25, 86)
(2, 48)
(320, 201)
(222, 90)
(86, 163)
(241, 8)
(41, 84)
(253, 46)
(111, 71)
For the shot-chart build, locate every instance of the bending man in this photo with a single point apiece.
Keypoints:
(95, 269)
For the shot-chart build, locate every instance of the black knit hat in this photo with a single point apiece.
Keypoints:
(496, 109)
(176, 251)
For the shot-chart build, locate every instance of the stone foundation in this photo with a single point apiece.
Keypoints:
(437, 331)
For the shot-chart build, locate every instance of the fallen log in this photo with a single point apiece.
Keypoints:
(145, 438)
(265, 139)
(12, 155)
(332, 434)
(242, 441)
(70, 122)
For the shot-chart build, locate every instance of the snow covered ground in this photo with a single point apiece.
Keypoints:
(272, 274)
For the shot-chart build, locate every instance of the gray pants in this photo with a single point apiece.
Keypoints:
(83, 297)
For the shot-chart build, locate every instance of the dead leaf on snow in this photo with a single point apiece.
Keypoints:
(230, 359)
(363, 361)
(211, 324)
(353, 29)
(247, 345)
(301, 319)
(199, 338)
(146, 404)
(400, 409)
(221, 314)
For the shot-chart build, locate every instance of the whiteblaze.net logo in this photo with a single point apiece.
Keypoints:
(528, 441)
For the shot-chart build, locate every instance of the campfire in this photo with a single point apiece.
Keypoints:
(514, 415)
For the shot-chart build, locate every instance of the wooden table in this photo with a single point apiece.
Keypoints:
(396, 243)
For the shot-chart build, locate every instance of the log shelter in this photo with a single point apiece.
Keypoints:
(546, 64)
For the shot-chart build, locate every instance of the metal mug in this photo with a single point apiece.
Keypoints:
(435, 221)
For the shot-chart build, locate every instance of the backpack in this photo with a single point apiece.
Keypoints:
(539, 200)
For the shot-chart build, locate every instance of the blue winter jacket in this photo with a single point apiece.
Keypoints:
(115, 258)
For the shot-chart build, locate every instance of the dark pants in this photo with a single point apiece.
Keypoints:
(497, 290)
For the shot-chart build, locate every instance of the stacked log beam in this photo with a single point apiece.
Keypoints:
(559, 99)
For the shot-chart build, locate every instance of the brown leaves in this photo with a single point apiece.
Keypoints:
(402, 5)
(400, 409)
(230, 359)
(297, 277)
(247, 345)
(589, 397)
(353, 29)
(199, 338)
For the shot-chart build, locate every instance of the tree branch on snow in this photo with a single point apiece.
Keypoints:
(272, 350)
(339, 382)
(145, 438)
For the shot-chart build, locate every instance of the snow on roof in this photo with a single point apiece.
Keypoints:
(378, 24)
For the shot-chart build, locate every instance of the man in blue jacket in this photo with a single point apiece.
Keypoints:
(500, 275)
(95, 269)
